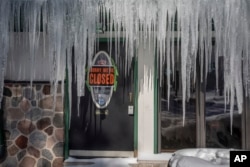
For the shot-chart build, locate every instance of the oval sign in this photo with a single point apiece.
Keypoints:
(101, 79)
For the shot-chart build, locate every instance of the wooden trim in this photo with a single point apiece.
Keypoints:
(200, 107)
(245, 117)
(96, 153)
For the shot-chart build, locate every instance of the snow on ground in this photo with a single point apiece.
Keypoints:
(100, 162)
(154, 157)
(204, 157)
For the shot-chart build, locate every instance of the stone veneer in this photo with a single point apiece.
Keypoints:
(33, 130)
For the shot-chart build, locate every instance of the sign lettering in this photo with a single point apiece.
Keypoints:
(102, 79)
(101, 76)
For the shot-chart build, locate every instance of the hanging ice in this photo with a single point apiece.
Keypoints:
(70, 26)
(4, 41)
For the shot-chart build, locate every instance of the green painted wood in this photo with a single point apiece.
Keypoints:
(155, 108)
(66, 115)
(136, 105)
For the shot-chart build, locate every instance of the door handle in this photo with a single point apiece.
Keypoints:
(130, 97)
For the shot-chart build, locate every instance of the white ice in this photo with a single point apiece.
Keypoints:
(205, 157)
(102, 162)
(72, 25)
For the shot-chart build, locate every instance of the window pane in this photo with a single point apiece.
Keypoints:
(173, 134)
(218, 132)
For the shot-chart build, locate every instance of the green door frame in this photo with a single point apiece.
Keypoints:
(156, 108)
(136, 106)
(67, 109)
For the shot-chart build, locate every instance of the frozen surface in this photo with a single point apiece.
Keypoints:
(154, 157)
(193, 24)
(101, 162)
(200, 157)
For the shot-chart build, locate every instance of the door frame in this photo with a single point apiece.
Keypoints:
(105, 37)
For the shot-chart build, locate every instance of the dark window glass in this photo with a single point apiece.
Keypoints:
(173, 134)
(218, 133)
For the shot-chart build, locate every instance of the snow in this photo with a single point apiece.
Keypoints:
(154, 157)
(206, 157)
(73, 24)
(104, 162)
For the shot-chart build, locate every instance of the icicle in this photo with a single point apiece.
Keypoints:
(4, 41)
(68, 24)
(56, 16)
(185, 20)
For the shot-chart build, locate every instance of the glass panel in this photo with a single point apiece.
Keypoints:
(218, 132)
(173, 134)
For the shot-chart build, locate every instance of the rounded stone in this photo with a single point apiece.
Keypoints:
(7, 124)
(34, 114)
(9, 143)
(28, 93)
(17, 90)
(59, 133)
(25, 105)
(10, 161)
(47, 154)
(7, 92)
(46, 89)
(12, 150)
(51, 142)
(42, 162)
(26, 127)
(48, 113)
(14, 134)
(38, 87)
(58, 120)
(33, 103)
(15, 101)
(49, 130)
(48, 103)
(58, 162)
(7, 134)
(59, 103)
(28, 162)
(33, 151)
(6, 103)
(38, 139)
(15, 114)
(43, 123)
(58, 149)
(13, 124)
(22, 142)
(21, 154)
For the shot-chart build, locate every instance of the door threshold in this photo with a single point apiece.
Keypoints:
(97, 153)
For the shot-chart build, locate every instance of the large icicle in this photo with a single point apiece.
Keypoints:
(72, 24)
(57, 53)
(4, 41)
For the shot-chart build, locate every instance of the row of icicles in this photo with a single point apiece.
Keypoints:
(190, 25)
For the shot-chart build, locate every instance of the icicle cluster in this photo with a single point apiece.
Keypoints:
(191, 24)
(4, 42)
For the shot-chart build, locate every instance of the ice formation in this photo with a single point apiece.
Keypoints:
(193, 24)
(200, 157)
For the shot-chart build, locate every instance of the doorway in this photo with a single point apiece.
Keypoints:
(107, 132)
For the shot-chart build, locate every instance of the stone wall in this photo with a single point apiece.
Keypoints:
(33, 130)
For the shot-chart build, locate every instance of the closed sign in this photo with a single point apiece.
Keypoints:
(101, 79)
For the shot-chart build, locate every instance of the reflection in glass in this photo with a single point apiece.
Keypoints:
(218, 134)
(173, 134)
